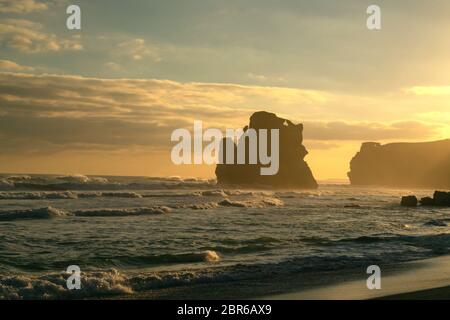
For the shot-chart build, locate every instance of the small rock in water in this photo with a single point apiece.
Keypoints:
(409, 201)
(427, 201)
(441, 198)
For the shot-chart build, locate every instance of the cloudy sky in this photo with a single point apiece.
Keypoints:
(105, 99)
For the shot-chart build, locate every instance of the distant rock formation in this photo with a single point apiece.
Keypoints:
(293, 170)
(424, 164)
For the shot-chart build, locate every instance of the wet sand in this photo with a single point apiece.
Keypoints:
(424, 279)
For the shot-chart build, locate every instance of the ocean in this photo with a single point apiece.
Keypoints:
(173, 237)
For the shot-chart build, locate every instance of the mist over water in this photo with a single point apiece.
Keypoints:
(129, 235)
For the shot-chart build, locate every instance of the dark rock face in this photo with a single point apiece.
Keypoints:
(425, 164)
(441, 198)
(409, 201)
(427, 201)
(293, 171)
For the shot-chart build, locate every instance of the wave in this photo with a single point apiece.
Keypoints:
(199, 206)
(6, 185)
(82, 182)
(433, 244)
(37, 195)
(121, 194)
(98, 283)
(50, 212)
(115, 283)
(65, 195)
(122, 212)
(79, 178)
(263, 202)
(31, 214)
(254, 203)
(54, 286)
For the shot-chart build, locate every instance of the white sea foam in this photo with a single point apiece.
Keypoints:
(202, 206)
(262, 202)
(53, 286)
(6, 185)
(214, 193)
(18, 178)
(210, 256)
(122, 212)
(79, 178)
(121, 194)
(37, 195)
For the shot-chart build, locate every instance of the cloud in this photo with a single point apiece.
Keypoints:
(137, 49)
(429, 90)
(53, 113)
(21, 6)
(9, 65)
(264, 78)
(28, 36)
(113, 66)
(370, 131)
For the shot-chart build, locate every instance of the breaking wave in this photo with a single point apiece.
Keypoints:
(65, 195)
(254, 203)
(114, 283)
(122, 212)
(31, 214)
(79, 178)
(102, 283)
(82, 182)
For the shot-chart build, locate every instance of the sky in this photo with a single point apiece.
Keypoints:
(104, 99)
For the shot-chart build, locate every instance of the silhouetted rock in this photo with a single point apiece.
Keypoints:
(409, 201)
(441, 198)
(425, 164)
(293, 170)
(427, 201)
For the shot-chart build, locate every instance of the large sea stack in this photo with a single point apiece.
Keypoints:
(424, 164)
(293, 170)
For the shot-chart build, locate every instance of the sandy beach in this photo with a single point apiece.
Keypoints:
(425, 279)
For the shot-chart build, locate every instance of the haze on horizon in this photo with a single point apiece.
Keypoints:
(104, 100)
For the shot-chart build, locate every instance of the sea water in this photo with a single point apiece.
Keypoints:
(136, 235)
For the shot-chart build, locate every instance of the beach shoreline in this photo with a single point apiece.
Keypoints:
(421, 279)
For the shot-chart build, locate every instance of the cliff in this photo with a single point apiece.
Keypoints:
(424, 164)
(293, 171)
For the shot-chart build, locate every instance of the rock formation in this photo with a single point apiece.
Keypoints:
(409, 201)
(293, 170)
(424, 164)
(440, 199)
